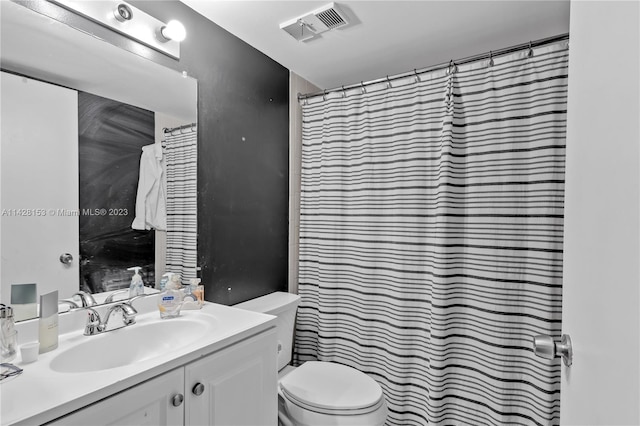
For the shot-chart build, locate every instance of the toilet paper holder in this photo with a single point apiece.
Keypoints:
(545, 347)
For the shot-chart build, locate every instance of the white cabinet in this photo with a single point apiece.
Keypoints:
(149, 403)
(233, 386)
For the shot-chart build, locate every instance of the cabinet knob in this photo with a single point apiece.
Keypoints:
(198, 389)
(177, 400)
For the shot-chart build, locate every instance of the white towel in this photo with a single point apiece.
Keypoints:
(151, 209)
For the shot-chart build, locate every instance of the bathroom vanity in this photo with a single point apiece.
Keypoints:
(213, 366)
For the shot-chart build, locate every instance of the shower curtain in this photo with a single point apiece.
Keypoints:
(181, 156)
(431, 238)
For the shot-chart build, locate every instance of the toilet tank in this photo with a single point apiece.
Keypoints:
(282, 305)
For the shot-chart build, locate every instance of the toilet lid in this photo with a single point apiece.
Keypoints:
(329, 387)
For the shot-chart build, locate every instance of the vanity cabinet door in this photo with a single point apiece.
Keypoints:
(152, 403)
(235, 386)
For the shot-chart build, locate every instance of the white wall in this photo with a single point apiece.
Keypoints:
(601, 296)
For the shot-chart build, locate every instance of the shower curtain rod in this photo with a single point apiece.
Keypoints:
(417, 72)
(192, 127)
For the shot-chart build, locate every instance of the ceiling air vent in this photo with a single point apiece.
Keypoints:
(312, 24)
(331, 17)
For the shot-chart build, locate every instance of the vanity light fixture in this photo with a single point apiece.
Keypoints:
(131, 22)
(174, 30)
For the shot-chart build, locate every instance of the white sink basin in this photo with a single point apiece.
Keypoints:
(131, 344)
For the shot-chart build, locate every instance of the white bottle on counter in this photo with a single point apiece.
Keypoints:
(48, 322)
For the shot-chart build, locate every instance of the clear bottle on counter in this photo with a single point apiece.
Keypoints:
(8, 334)
(170, 299)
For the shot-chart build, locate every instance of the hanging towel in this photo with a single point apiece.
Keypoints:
(151, 209)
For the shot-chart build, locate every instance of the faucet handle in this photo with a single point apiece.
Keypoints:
(93, 323)
(129, 314)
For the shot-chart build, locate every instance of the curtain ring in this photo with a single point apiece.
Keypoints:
(530, 54)
(388, 83)
(363, 89)
(490, 58)
(415, 71)
(452, 67)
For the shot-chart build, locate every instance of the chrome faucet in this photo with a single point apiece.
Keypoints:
(86, 298)
(96, 326)
(70, 303)
(109, 298)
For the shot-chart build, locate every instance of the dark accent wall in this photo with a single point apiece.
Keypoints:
(243, 137)
(111, 135)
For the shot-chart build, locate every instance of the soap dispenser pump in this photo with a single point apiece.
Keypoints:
(137, 286)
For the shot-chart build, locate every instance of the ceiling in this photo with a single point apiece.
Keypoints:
(385, 37)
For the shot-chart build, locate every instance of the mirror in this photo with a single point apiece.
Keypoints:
(41, 48)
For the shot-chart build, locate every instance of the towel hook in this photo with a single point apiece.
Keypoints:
(324, 96)
(362, 85)
(388, 83)
(530, 54)
(415, 71)
(344, 92)
(490, 58)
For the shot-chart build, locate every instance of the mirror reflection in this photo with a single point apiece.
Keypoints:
(76, 113)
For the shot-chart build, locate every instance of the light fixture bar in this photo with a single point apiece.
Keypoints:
(127, 20)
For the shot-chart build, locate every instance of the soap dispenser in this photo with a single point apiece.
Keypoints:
(164, 280)
(193, 295)
(170, 299)
(137, 286)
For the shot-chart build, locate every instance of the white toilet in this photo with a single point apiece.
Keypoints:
(317, 393)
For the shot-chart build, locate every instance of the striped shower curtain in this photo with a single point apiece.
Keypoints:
(431, 238)
(181, 156)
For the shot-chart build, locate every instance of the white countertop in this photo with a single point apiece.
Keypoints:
(40, 394)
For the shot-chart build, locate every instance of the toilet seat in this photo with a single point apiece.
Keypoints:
(332, 389)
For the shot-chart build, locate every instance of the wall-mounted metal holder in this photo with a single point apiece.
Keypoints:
(546, 347)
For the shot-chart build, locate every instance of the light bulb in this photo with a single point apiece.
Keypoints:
(174, 30)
